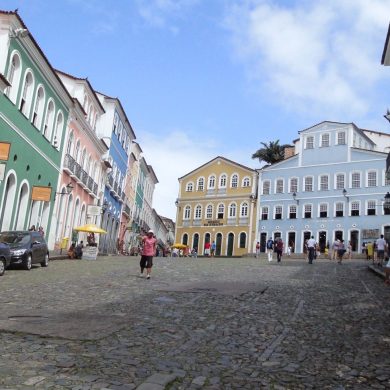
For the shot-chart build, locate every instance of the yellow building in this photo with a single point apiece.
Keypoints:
(217, 202)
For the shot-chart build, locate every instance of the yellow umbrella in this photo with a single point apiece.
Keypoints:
(90, 228)
(179, 246)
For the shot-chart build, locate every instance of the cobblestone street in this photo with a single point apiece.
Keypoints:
(198, 323)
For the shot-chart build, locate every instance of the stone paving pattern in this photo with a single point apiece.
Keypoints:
(197, 324)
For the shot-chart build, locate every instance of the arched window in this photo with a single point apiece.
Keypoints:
(58, 130)
(266, 187)
(209, 211)
(244, 210)
(70, 143)
(200, 184)
(221, 211)
(187, 212)
(222, 181)
(242, 240)
(232, 210)
(211, 182)
(234, 182)
(48, 126)
(27, 91)
(264, 213)
(198, 212)
(38, 108)
(246, 182)
(82, 159)
(14, 72)
(190, 187)
(77, 151)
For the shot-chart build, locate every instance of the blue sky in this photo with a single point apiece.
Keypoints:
(201, 78)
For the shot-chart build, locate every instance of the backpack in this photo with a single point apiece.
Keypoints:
(270, 243)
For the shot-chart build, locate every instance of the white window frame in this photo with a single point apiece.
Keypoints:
(352, 206)
(291, 189)
(198, 183)
(220, 206)
(312, 183)
(335, 208)
(223, 180)
(279, 186)
(290, 207)
(14, 76)
(336, 182)
(371, 171)
(309, 142)
(263, 209)
(232, 213)
(246, 182)
(244, 209)
(320, 205)
(190, 186)
(307, 205)
(341, 136)
(186, 213)
(360, 179)
(263, 186)
(281, 211)
(198, 212)
(325, 144)
(209, 211)
(234, 180)
(211, 182)
(370, 202)
(320, 182)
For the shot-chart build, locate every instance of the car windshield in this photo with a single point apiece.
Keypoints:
(15, 238)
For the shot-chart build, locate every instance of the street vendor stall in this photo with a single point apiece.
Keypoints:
(90, 252)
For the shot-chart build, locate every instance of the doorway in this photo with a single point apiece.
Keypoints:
(338, 235)
(291, 241)
(196, 242)
(322, 241)
(277, 235)
(306, 236)
(230, 244)
(218, 244)
(355, 240)
(263, 241)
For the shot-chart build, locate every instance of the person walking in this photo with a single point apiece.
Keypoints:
(279, 245)
(270, 248)
(311, 247)
(370, 251)
(212, 248)
(341, 251)
(149, 244)
(381, 246)
(207, 247)
(257, 249)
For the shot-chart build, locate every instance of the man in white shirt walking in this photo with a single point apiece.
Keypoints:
(311, 247)
(380, 248)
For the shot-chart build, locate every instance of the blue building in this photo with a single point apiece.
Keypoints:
(333, 185)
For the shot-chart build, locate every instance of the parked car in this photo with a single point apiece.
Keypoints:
(26, 248)
(5, 257)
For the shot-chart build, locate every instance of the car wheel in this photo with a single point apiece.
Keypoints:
(45, 262)
(27, 263)
(2, 267)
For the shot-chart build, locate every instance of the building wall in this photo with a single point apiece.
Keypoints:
(199, 211)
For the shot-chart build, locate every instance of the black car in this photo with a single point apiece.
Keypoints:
(5, 257)
(26, 248)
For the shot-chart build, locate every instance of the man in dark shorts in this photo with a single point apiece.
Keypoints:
(148, 251)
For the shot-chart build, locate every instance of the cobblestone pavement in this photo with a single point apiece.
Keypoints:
(198, 323)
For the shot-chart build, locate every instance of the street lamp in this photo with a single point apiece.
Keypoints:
(68, 189)
(294, 195)
(345, 194)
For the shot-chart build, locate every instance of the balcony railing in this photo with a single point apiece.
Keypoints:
(126, 209)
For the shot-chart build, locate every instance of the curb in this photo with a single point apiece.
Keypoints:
(377, 270)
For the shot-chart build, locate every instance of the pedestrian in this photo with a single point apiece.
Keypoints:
(207, 246)
(341, 251)
(349, 250)
(311, 247)
(381, 246)
(279, 245)
(194, 252)
(72, 251)
(32, 228)
(212, 249)
(41, 231)
(270, 248)
(149, 243)
(79, 250)
(370, 251)
(257, 249)
(335, 248)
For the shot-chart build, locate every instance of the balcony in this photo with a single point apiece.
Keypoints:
(126, 210)
(110, 182)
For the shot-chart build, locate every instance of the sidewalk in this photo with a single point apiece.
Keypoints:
(378, 270)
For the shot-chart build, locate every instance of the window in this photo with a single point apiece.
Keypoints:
(70, 143)
(307, 211)
(209, 212)
(244, 210)
(324, 183)
(309, 142)
(200, 185)
(234, 181)
(38, 108)
(339, 209)
(77, 151)
(355, 206)
(278, 212)
(387, 179)
(198, 212)
(232, 210)
(355, 180)
(212, 182)
(264, 213)
(292, 212)
(25, 100)
(187, 212)
(246, 182)
(58, 130)
(222, 181)
(279, 186)
(116, 121)
(371, 207)
(294, 184)
(190, 187)
(325, 140)
(308, 184)
(340, 181)
(371, 179)
(14, 73)
(266, 187)
(323, 210)
(341, 138)
(242, 240)
(221, 211)
(48, 125)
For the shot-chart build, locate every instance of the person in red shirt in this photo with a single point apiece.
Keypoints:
(207, 246)
(148, 251)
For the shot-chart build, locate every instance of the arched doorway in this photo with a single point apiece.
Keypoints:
(218, 244)
(277, 235)
(185, 239)
(196, 241)
(306, 236)
(8, 203)
(45, 215)
(355, 240)
(21, 213)
(206, 239)
(230, 244)
(291, 241)
(263, 241)
(322, 241)
(69, 213)
(338, 235)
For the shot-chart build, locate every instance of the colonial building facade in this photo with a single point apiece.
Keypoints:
(217, 202)
(333, 186)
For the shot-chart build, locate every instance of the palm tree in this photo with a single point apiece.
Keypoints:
(271, 153)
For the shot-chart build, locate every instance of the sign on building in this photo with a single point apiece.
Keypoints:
(41, 193)
(93, 210)
(370, 233)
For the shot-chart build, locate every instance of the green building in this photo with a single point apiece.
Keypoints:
(34, 109)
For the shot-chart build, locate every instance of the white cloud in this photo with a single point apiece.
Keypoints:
(318, 57)
(173, 155)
